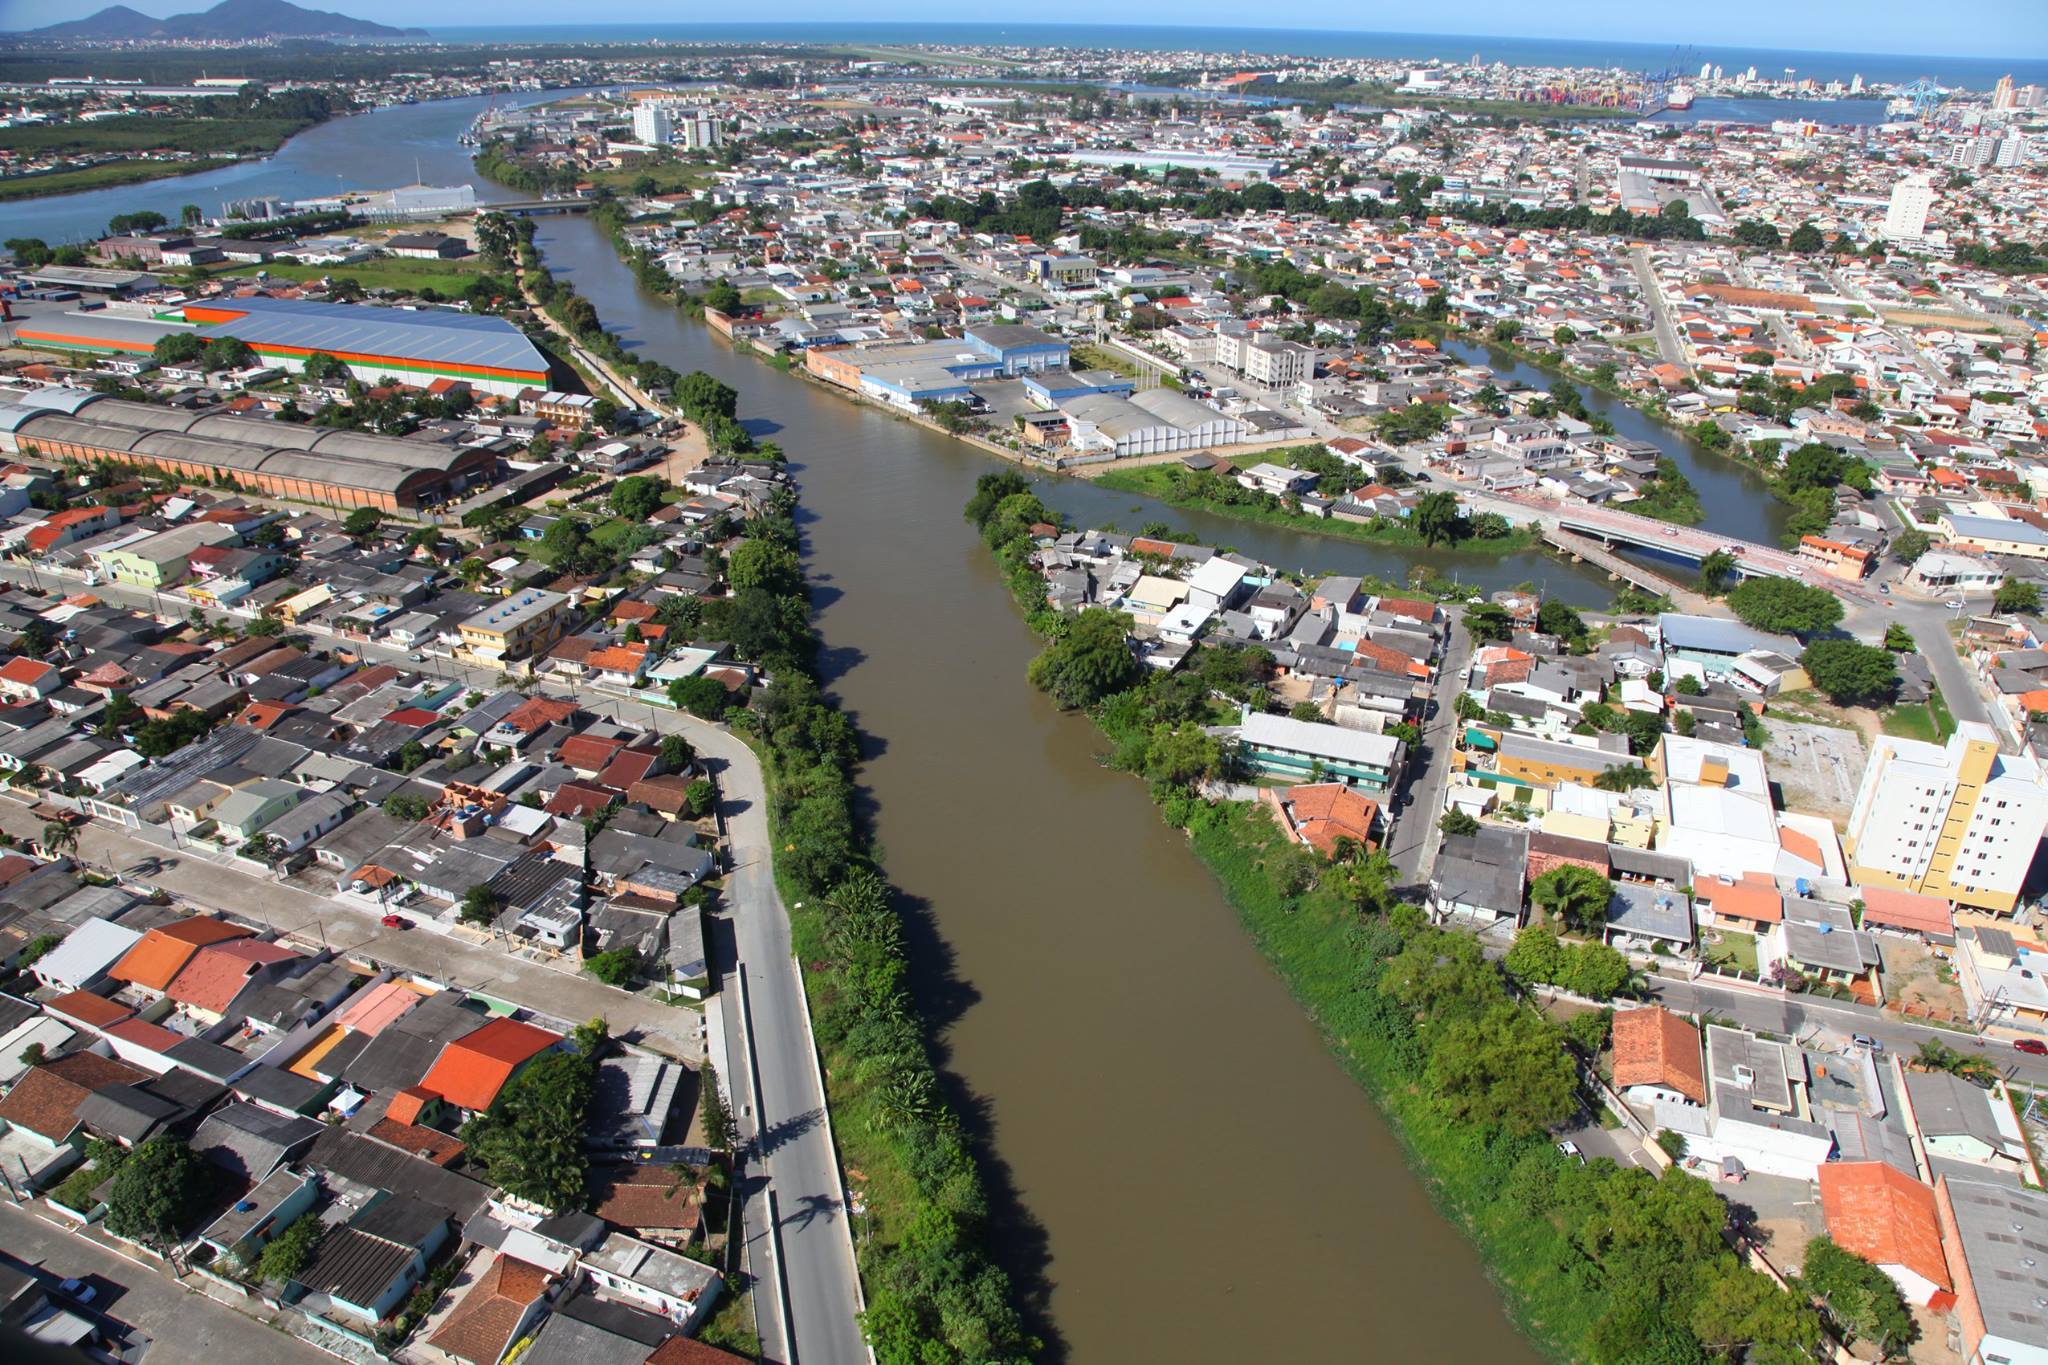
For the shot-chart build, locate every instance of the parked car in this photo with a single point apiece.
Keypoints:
(393, 922)
(1864, 1040)
(1571, 1151)
(2033, 1047)
(78, 1291)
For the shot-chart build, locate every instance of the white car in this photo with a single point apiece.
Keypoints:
(1954, 604)
(1571, 1151)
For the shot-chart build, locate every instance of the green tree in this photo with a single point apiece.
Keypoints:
(1556, 618)
(1806, 239)
(406, 807)
(703, 697)
(156, 1191)
(1739, 1313)
(712, 1114)
(1457, 822)
(1899, 640)
(1575, 895)
(362, 523)
(699, 798)
(676, 753)
(1851, 674)
(530, 1141)
(480, 905)
(287, 1253)
(1784, 607)
(1436, 518)
(637, 497)
(1863, 1301)
(2014, 595)
(1714, 572)
(1504, 1070)
(1908, 545)
(1627, 777)
(766, 565)
(1091, 660)
(618, 967)
(1489, 621)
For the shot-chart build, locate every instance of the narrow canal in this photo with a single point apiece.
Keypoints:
(1190, 1175)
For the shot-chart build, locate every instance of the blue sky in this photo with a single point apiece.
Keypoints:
(1989, 28)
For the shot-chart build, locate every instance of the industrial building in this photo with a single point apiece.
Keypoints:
(280, 459)
(415, 346)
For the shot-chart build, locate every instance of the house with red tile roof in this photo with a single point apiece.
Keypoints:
(208, 985)
(45, 1101)
(153, 963)
(1657, 1056)
(472, 1070)
(1320, 814)
(1889, 1219)
(499, 1307)
(26, 679)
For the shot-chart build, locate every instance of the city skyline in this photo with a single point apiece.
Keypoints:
(1981, 29)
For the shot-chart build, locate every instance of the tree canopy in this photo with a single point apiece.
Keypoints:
(530, 1141)
(1852, 674)
(1089, 661)
(156, 1191)
(1784, 607)
(1577, 895)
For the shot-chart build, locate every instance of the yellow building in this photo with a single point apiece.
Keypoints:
(1960, 820)
(514, 629)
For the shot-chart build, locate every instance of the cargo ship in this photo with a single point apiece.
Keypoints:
(1679, 97)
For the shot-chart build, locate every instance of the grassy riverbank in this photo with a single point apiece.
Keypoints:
(106, 175)
(1161, 482)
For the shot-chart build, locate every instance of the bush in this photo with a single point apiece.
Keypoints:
(1783, 607)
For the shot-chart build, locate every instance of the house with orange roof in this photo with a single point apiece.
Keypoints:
(1657, 1056)
(1891, 1220)
(152, 964)
(1320, 814)
(472, 1070)
(25, 679)
(373, 1010)
(1751, 902)
(505, 1300)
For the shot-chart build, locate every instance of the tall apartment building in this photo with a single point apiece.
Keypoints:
(1960, 821)
(1906, 217)
(2002, 94)
(2013, 150)
(660, 123)
(1973, 152)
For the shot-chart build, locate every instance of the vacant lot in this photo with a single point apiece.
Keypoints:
(1817, 767)
(1916, 981)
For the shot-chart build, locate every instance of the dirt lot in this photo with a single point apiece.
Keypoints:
(1816, 766)
(1912, 979)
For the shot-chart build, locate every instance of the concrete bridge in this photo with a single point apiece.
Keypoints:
(1685, 544)
(527, 208)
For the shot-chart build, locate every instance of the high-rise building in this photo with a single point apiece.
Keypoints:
(1706, 71)
(2013, 150)
(2002, 93)
(1973, 152)
(1960, 821)
(1905, 219)
(661, 123)
(1856, 84)
(652, 124)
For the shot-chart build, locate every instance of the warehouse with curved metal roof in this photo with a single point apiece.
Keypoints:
(283, 460)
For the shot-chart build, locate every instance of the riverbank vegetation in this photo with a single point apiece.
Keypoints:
(1598, 1262)
(103, 175)
(1430, 527)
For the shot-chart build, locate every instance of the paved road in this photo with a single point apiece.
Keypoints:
(1669, 347)
(1413, 847)
(815, 1239)
(186, 1326)
(1800, 1017)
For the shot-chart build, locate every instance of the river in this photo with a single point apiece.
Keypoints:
(1188, 1174)
(1181, 1170)
(400, 145)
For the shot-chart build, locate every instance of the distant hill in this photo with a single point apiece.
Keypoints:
(230, 21)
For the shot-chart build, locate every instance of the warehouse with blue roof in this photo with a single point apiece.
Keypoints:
(413, 345)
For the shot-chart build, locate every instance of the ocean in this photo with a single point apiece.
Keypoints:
(1975, 73)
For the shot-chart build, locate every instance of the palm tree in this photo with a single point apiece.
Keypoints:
(59, 838)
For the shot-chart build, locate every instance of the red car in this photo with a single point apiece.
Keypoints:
(2033, 1047)
(393, 921)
